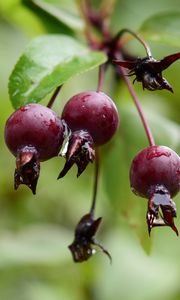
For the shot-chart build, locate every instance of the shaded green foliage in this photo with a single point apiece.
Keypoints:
(35, 231)
(49, 61)
(163, 27)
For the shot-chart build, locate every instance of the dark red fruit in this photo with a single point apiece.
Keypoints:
(155, 165)
(94, 112)
(33, 133)
(34, 125)
(93, 119)
(155, 174)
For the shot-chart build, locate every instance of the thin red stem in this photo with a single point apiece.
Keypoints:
(85, 7)
(96, 180)
(136, 36)
(53, 98)
(101, 77)
(138, 106)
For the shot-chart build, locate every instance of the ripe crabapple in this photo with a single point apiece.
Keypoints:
(93, 120)
(33, 133)
(94, 112)
(155, 174)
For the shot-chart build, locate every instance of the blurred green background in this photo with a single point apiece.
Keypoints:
(35, 231)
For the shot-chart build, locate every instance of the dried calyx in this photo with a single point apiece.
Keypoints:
(84, 244)
(79, 151)
(148, 71)
(161, 209)
(27, 168)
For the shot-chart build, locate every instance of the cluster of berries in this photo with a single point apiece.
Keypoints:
(34, 133)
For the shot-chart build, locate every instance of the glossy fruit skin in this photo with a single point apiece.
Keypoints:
(37, 126)
(94, 112)
(155, 166)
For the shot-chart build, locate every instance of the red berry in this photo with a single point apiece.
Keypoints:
(33, 133)
(94, 112)
(155, 174)
(34, 125)
(155, 165)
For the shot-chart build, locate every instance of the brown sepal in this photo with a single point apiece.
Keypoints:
(80, 152)
(82, 247)
(161, 201)
(27, 168)
(148, 71)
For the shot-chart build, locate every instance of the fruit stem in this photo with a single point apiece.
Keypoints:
(137, 104)
(53, 98)
(101, 76)
(84, 8)
(96, 179)
(137, 36)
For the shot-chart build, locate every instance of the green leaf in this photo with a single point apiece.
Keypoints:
(163, 27)
(61, 11)
(48, 62)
